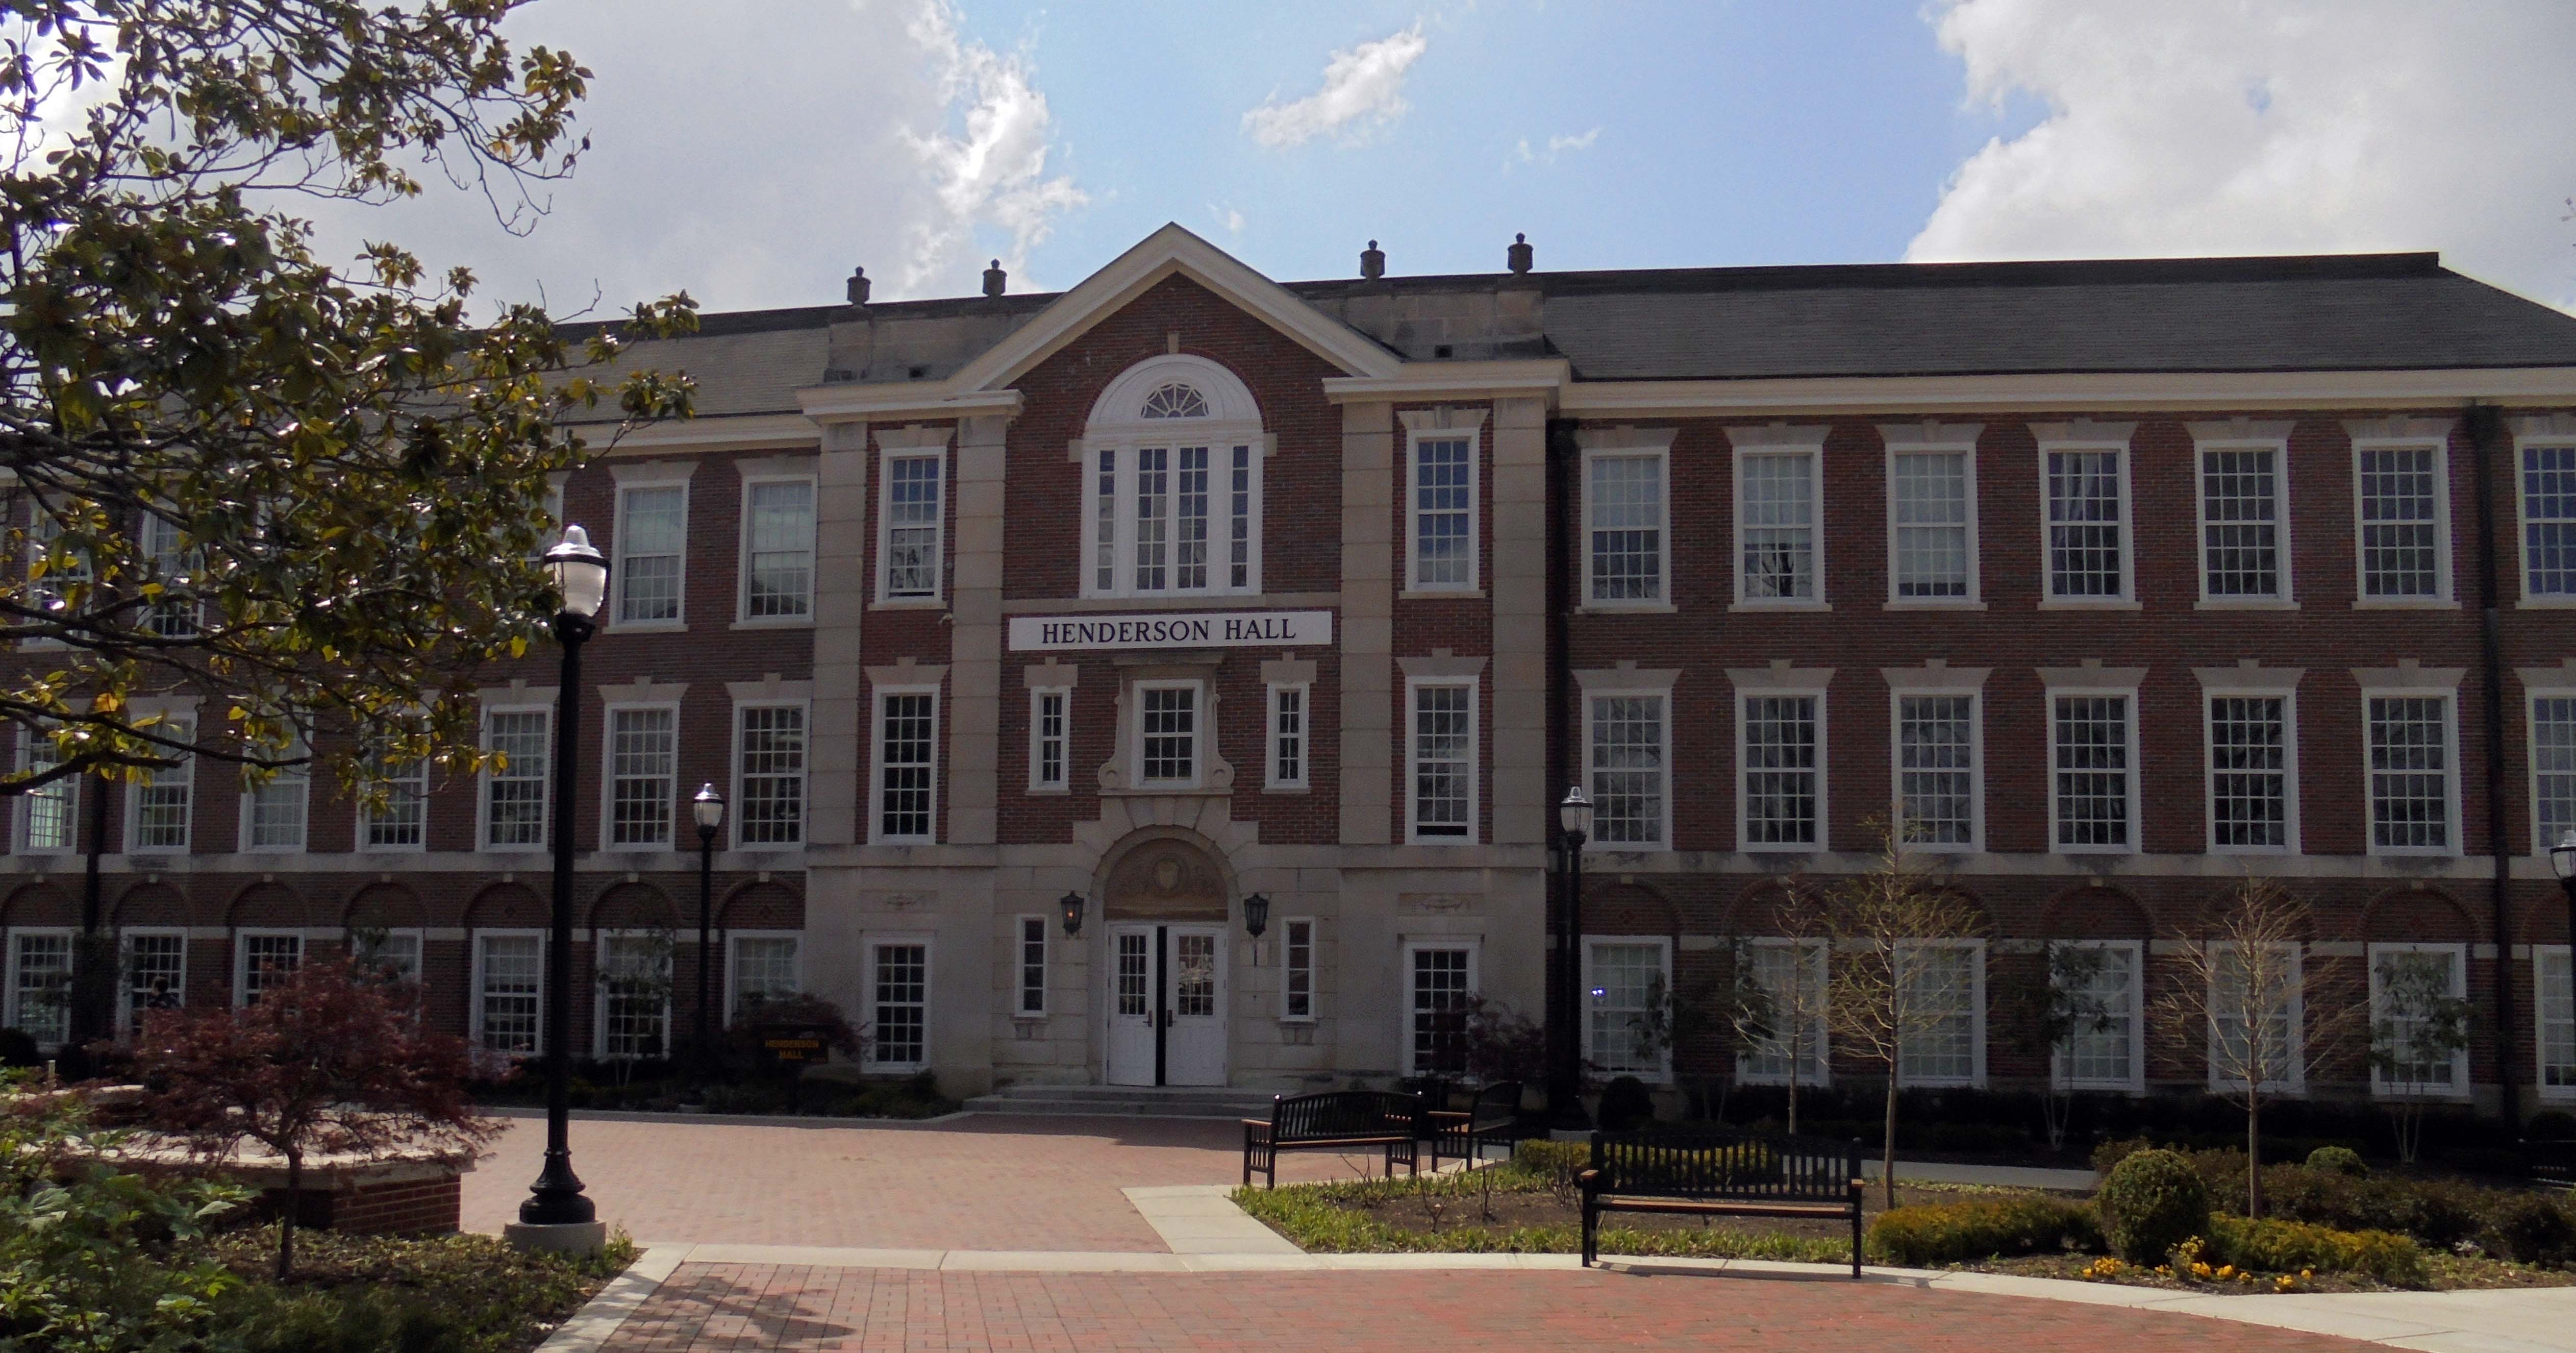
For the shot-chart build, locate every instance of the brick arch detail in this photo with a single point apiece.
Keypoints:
(510, 906)
(1632, 907)
(2093, 911)
(1755, 912)
(151, 904)
(760, 906)
(2417, 913)
(40, 904)
(634, 906)
(2543, 920)
(389, 905)
(267, 903)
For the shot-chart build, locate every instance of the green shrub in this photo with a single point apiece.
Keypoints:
(258, 1319)
(2342, 1160)
(1953, 1233)
(2550, 1125)
(2288, 1246)
(1625, 1103)
(2437, 1212)
(2532, 1228)
(2151, 1202)
(1555, 1162)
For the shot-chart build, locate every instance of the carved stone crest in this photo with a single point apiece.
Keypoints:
(1166, 880)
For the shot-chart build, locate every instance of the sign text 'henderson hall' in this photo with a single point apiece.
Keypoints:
(1239, 629)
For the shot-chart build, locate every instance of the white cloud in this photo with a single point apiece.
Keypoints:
(1228, 216)
(1363, 91)
(2231, 126)
(995, 173)
(1556, 146)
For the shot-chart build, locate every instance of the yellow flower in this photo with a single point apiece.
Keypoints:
(2226, 1271)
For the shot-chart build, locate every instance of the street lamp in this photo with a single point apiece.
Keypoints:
(555, 1215)
(1565, 1080)
(1256, 919)
(708, 809)
(1072, 905)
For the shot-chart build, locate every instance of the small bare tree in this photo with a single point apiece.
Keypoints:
(1778, 1002)
(2418, 1029)
(2244, 994)
(1903, 972)
(2049, 1007)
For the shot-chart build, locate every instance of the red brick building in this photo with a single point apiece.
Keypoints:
(1184, 588)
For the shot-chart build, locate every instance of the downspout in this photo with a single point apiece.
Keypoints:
(2486, 430)
(1562, 471)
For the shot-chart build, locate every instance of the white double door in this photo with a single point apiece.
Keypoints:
(1166, 1004)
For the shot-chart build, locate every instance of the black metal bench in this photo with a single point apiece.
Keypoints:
(1334, 1120)
(2549, 1162)
(1492, 1117)
(1710, 1170)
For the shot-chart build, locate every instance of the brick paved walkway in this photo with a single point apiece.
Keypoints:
(727, 1307)
(983, 1182)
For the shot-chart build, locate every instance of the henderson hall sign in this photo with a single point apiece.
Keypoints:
(1233, 629)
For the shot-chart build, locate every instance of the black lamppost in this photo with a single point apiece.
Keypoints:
(1072, 904)
(1256, 919)
(555, 1215)
(1565, 1079)
(708, 808)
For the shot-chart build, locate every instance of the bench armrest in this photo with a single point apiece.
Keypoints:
(1256, 1129)
(1587, 1177)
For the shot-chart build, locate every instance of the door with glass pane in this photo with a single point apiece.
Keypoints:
(1194, 1032)
(1134, 1021)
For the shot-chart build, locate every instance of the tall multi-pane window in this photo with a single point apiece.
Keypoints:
(156, 972)
(1444, 762)
(2408, 985)
(1444, 512)
(2548, 522)
(2401, 507)
(899, 995)
(1175, 483)
(2241, 554)
(2554, 996)
(1049, 723)
(1790, 975)
(643, 757)
(2411, 769)
(159, 817)
(274, 809)
(652, 535)
(1936, 769)
(389, 955)
(1775, 525)
(2247, 1006)
(1624, 504)
(634, 996)
(2093, 790)
(1783, 767)
(1440, 980)
(1626, 985)
(40, 979)
(906, 742)
(778, 545)
(172, 565)
(46, 813)
(1944, 991)
(2102, 1049)
(514, 789)
(509, 991)
(399, 819)
(1297, 969)
(1288, 735)
(770, 755)
(2088, 525)
(764, 969)
(2251, 788)
(60, 573)
(2553, 768)
(913, 518)
(263, 959)
(1931, 507)
(1624, 754)
(1032, 965)
(1167, 733)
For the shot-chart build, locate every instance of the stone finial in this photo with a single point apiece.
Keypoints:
(858, 286)
(994, 278)
(1372, 262)
(1519, 257)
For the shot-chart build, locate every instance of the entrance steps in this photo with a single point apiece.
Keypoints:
(1125, 1101)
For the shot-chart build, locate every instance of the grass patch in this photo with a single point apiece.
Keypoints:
(466, 1293)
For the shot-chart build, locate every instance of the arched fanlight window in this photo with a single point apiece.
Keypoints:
(1172, 482)
(1175, 401)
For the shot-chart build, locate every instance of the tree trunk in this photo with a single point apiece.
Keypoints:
(2253, 1156)
(286, 1219)
(1887, 1142)
(1793, 1097)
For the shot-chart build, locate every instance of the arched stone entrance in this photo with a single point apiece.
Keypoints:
(1165, 905)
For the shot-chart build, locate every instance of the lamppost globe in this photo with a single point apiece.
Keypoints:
(708, 808)
(1574, 814)
(2562, 857)
(580, 573)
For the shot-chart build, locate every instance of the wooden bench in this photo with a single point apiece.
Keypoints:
(2550, 1163)
(1703, 1170)
(1492, 1117)
(1334, 1120)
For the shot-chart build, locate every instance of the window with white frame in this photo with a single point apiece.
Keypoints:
(52, 576)
(274, 810)
(387, 953)
(2264, 1004)
(1439, 979)
(1050, 735)
(1625, 515)
(907, 750)
(1782, 734)
(2088, 523)
(2092, 755)
(1790, 976)
(2253, 771)
(2104, 1048)
(263, 959)
(914, 517)
(1443, 755)
(1173, 462)
(899, 998)
(634, 996)
(1931, 511)
(2414, 791)
(769, 761)
(763, 968)
(509, 991)
(47, 814)
(778, 549)
(2411, 987)
(1297, 968)
(1443, 540)
(652, 541)
(1167, 733)
(1288, 735)
(2553, 767)
(159, 810)
(1626, 984)
(2243, 521)
(514, 789)
(173, 566)
(1777, 546)
(156, 971)
(2549, 522)
(40, 984)
(643, 758)
(1032, 966)
(2554, 1013)
(399, 820)
(2404, 506)
(1625, 755)
(1944, 990)
(1938, 769)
